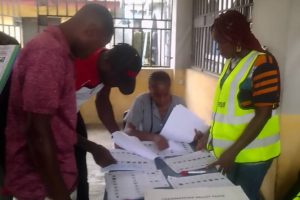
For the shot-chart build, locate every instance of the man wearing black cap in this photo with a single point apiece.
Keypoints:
(96, 75)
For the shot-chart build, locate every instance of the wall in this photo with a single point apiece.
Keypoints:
(182, 33)
(30, 28)
(280, 30)
(199, 92)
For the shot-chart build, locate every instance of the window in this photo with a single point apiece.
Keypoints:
(206, 55)
(10, 22)
(144, 24)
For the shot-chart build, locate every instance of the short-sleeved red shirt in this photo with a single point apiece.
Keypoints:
(42, 82)
(86, 72)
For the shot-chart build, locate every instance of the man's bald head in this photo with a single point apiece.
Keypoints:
(98, 15)
(90, 28)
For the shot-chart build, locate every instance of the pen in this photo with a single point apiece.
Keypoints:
(186, 173)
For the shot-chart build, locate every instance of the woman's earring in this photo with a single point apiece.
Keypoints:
(238, 49)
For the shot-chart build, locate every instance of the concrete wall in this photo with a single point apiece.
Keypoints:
(279, 29)
(182, 34)
(199, 93)
(30, 28)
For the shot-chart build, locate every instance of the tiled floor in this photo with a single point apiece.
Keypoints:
(101, 136)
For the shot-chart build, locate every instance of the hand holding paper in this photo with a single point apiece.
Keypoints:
(133, 144)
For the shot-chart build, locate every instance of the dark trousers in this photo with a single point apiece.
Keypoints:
(83, 185)
(249, 176)
(3, 116)
(294, 190)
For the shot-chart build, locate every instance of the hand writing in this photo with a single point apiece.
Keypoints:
(161, 142)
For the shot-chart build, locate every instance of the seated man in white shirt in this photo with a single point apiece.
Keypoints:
(150, 111)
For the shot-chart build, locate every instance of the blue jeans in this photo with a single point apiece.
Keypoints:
(249, 176)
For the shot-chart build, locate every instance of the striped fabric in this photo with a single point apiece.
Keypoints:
(262, 87)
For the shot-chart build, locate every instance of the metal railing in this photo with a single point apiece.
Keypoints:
(206, 55)
(10, 22)
(145, 24)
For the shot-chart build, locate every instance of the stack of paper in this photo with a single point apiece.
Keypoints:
(129, 161)
(204, 180)
(132, 184)
(218, 193)
(192, 161)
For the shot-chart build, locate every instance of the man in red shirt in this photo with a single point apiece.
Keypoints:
(96, 75)
(40, 133)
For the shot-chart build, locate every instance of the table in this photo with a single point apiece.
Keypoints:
(167, 171)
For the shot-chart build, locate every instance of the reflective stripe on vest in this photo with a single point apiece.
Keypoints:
(254, 144)
(236, 120)
(230, 120)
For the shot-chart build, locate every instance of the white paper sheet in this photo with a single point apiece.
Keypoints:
(192, 161)
(129, 161)
(175, 149)
(203, 180)
(181, 125)
(212, 193)
(133, 144)
(84, 94)
(8, 54)
(132, 184)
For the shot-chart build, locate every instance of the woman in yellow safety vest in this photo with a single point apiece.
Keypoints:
(244, 133)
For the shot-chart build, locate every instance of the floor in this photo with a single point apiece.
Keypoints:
(101, 136)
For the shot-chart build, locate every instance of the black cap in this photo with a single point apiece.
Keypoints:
(127, 63)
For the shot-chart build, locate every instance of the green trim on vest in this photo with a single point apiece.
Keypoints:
(297, 197)
(230, 118)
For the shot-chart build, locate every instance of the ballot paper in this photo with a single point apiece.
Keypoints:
(129, 161)
(133, 144)
(209, 193)
(181, 125)
(132, 184)
(175, 149)
(203, 180)
(192, 161)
